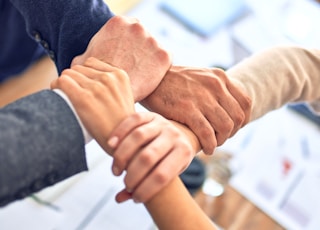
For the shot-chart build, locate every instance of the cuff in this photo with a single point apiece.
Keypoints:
(86, 135)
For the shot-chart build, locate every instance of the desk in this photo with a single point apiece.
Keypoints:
(232, 211)
(35, 78)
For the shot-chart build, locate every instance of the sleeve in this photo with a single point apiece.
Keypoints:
(278, 76)
(63, 28)
(41, 143)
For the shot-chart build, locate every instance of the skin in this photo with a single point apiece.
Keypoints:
(174, 208)
(144, 138)
(92, 86)
(216, 107)
(124, 43)
(85, 85)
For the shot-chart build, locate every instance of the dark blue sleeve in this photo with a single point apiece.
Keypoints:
(41, 143)
(63, 28)
(17, 49)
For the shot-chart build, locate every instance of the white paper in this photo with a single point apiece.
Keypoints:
(279, 169)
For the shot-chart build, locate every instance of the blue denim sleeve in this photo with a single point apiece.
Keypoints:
(63, 28)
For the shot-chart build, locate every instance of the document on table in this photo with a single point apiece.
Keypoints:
(278, 168)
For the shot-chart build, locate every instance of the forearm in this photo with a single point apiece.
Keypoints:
(277, 76)
(41, 143)
(174, 208)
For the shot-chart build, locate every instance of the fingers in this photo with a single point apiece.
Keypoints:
(244, 101)
(99, 65)
(147, 158)
(204, 130)
(67, 83)
(131, 145)
(127, 125)
(123, 195)
(149, 153)
(161, 176)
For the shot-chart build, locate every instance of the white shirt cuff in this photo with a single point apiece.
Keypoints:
(86, 135)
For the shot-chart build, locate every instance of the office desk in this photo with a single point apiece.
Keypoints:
(35, 78)
(232, 211)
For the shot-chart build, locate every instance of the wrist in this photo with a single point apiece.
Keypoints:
(86, 135)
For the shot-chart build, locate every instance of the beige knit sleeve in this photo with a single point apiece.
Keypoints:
(277, 76)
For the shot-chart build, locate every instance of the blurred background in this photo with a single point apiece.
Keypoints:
(266, 177)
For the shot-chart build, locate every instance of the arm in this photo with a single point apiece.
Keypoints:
(63, 28)
(203, 99)
(41, 143)
(174, 208)
(87, 28)
(277, 76)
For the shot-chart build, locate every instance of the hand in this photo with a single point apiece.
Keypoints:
(124, 43)
(152, 151)
(203, 99)
(101, 95)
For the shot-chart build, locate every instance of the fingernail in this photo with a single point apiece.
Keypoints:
(135, 200)
(113, 141)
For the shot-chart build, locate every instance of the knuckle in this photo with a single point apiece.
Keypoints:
(239, 119)
(137, 28)
(146, 156)
(89, 61)
(164, 56)
(220, 73)
(216, 84)
(161, 177)
(121, 75)
(247, 104)
(139, 134)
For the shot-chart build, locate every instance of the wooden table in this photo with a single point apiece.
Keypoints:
(232, 211)
(35, 78)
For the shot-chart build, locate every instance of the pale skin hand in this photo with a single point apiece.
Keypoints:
(101, 95)
(102, 98)
(203, 99)
(152, 151)
(173, 202)
(174, 208)
(124, 43)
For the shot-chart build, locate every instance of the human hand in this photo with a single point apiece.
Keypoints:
(124, 43)
(101, 95)
(152, 151)
(203, 99)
